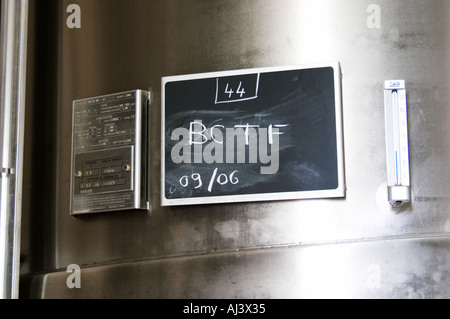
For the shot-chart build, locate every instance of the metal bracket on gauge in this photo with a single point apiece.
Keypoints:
(7, 171)
(397, 149)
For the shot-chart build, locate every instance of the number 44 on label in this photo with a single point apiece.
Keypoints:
(240, 90)
(237, 88)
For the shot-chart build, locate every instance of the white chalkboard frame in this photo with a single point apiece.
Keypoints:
(338, 192)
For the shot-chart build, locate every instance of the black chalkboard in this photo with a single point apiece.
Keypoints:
(252, 135)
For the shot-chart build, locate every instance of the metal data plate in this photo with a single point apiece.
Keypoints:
(109, 153)
(103, 171)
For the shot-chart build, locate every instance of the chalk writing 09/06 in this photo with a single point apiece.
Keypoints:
(221, 179)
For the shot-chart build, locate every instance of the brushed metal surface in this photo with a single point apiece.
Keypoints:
(126, 45)
(371, 269)
(13, 48)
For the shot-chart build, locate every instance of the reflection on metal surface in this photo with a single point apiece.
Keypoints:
(132, 44)
(368, 269)
(13, 48)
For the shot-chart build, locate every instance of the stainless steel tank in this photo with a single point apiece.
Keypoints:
(354, 247)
